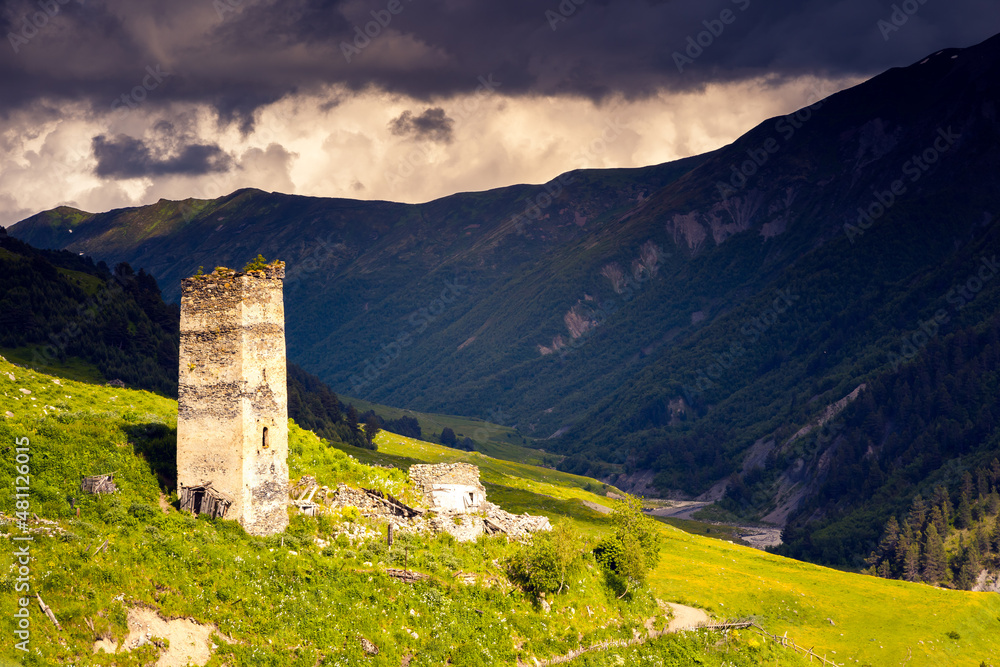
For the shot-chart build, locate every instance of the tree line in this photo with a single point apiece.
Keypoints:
(938, 542)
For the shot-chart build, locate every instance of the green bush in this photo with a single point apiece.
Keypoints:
(629, 554)
(544, 565)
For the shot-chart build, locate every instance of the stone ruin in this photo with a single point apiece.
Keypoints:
(452, 488)
(457, 499)
(454, 502)
(232, 404)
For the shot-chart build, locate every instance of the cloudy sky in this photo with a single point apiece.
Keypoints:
(110, 103)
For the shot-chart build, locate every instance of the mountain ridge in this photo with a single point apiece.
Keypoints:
(631, 312)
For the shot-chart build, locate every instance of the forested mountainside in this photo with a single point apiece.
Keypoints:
(668, 321)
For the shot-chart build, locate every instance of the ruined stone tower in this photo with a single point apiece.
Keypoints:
(232, 421)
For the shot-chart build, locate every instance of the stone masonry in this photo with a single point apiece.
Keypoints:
(232, 422)
(450, 487)
(457, 502)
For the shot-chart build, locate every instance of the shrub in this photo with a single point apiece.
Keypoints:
(634, 548)
(543, 565)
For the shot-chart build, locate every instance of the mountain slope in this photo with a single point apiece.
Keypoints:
(290, 600)
(57, 308)
(661, 319)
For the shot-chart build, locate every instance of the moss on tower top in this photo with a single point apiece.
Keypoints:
(258, 265)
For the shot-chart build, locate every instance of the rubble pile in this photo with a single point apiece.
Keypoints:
(454, 503)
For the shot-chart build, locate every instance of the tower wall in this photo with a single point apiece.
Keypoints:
(232, 387)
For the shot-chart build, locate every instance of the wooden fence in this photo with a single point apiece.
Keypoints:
(734, 625)
(786, 642)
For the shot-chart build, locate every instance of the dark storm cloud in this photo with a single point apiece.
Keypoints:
(127, 157)
(238, 55)
(432, 124)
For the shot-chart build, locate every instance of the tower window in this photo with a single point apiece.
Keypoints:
(266, 442)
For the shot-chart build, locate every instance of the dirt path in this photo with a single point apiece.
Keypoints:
(680, 509)
(686, 618)
(190, 642)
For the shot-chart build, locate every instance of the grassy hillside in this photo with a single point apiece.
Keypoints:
(61, 313)
(301, 598)
(876, 621)
(288, 600)
(493, 439)
(656, 320)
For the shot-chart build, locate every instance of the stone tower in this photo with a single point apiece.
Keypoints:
(232, 420)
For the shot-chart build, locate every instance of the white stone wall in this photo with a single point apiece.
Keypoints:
(458, 498)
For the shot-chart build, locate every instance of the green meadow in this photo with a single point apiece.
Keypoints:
(308, 596)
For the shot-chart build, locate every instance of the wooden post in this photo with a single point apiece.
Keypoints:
(388, 537)
(48, 612)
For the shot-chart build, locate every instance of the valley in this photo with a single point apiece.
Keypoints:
(658, 322)
(737, 408)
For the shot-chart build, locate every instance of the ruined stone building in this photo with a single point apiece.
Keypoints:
(232, 421)
(450, 487)
(457, 500)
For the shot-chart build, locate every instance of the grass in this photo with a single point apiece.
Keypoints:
(90, 284)
(288, 600)
(494, 440)
(719, 532)
(281, 600)
(72, 368)
(875, 621)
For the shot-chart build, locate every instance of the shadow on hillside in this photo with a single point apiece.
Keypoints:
(157, 443)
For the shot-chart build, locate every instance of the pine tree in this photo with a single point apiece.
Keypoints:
(902, 549)
(911, 562)
(993, 504)
(918, 515)
(934, 559)
(938, 521)
(448, 437)
(968, 572)
(982, 540)
(372, 427)
(884, 556)
(942, 501)
(982, 484)
(963, 518)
